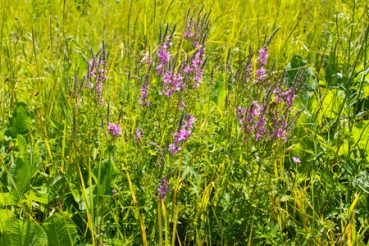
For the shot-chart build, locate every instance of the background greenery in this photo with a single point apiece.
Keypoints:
(66, 181)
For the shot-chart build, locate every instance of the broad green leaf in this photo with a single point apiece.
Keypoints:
(220, 93)
(37, 196)
(23, 232)
(5, 214)
(73, 187)
(89, 192)
(292, 67)
(20, 176)
(22, 144)
(332, 103)
(20, 122)
(104, 175)
(360, 136)
(8, 198)
(362, 181)
(60, 230)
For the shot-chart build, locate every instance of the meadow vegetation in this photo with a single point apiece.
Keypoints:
(160, 122)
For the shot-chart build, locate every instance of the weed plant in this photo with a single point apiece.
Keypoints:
(184, 122)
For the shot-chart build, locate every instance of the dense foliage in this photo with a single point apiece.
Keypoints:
(184, 122)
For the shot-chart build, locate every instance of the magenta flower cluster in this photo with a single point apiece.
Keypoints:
(195, 27)
(114, 129)
(280, 116)
(268, 117)
(164, 54)
(262, 59)
(190, 69)
(252, 120)
(182, 134)
(195, 67)
(172, 83)
(96, 75)
(163, 188)
(143, 101)
(138, 134)
(195, 31)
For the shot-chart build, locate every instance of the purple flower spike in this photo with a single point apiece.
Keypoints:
(181, 105)
(260, 74)
(163, 188)
(296, 159)
(97, 74)
(189, 122)
(163, 54)
(263, 54)
(173, 148)
(138, 134)
(182, 134)
(143, 98)
(114, 129)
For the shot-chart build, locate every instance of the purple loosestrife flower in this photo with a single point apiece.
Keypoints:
(163, 54)
(263, 55)
(172, 83)
(253, 120)
(97, 74)
(260, 131)
(296, 159)
(280, 126)
(284, 102)
(173, 148)
(163, 188)
(195, 66)
(271, 119)
(182, 134)
(188, 33)
(241, 112)
(143, 98)
(277, 93)
(288, 96)
(114, 129)
(260, 74)
(195, 27)
(181, 105)
(138, 134)
(189, 122)
(255, 109)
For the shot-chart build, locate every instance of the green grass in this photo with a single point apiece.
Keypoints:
(66, 181)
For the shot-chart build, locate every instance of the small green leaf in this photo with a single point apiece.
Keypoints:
(286, 198)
